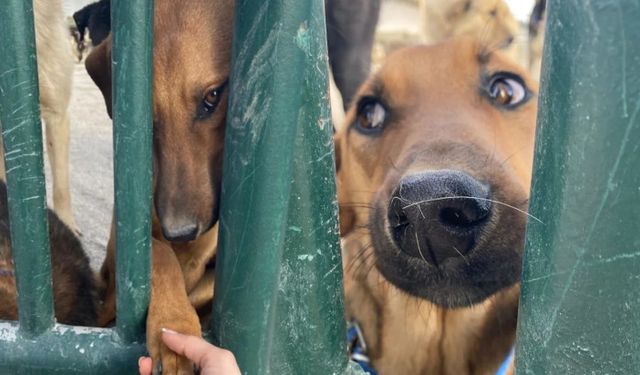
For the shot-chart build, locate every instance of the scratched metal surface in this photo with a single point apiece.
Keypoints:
(132, 122)
(67, 350)
(278, 302)
(580, 302)
(22, 133)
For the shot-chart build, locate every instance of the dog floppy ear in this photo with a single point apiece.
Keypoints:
(98, 65)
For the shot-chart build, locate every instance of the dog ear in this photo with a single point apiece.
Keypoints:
(98, 65)
(81, 19)
(458, 9)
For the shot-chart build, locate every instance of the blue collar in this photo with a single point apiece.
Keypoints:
(358, 351)
(358, 347)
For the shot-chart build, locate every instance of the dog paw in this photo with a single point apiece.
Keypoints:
(169, 363)
(166, 361)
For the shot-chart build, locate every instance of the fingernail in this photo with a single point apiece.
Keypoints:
(140, 361)
(167, 330)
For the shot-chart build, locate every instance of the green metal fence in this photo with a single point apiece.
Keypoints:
(580, 301)
(287, 317)
(36, 344)
(279, 243)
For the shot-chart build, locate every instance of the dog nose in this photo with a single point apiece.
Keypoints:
(438, 214)
(180, 231)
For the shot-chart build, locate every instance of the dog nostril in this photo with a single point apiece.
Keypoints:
(454, 217)
(399, 225)
(469, 212)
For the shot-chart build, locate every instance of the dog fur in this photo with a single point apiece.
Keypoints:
(490, 21)
(437, 114)
(74, 289)
(55, 70)
(95, 19)
(191, 63)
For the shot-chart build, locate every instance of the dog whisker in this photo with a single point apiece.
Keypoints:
(419, 248)
(474, 198)
(463, 257)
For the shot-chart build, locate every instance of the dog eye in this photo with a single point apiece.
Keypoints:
(506, 90)
(211, 99)
(371, 116)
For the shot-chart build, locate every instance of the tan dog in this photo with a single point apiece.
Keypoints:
(55, 70)
(490, 21)
(191, 62)
(434, 167)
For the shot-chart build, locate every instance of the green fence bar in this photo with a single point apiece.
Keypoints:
(20, 119)
(278, 303)
(132, 25)
(67, 350)
(580, 302)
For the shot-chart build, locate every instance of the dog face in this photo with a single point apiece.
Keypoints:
(191, 62)
(435, 166)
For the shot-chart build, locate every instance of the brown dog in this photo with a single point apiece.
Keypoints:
(74, 289)
(191, 62)
(434, 167)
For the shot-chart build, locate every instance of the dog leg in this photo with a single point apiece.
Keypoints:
(169, 308)
(107, 282)
(57, 129)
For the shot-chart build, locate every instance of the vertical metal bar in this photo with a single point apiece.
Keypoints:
(580, 302)
(278, 303)
(20, 118)
(132, 81)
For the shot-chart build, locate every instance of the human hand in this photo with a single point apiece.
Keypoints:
(210, 359)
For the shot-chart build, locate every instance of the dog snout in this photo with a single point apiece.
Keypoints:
(180, 229)
(438, 215)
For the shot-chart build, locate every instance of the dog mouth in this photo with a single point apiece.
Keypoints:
(448, 238)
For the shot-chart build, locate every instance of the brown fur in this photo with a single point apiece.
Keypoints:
(192, 54)
(438, 117)
(74, 289)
